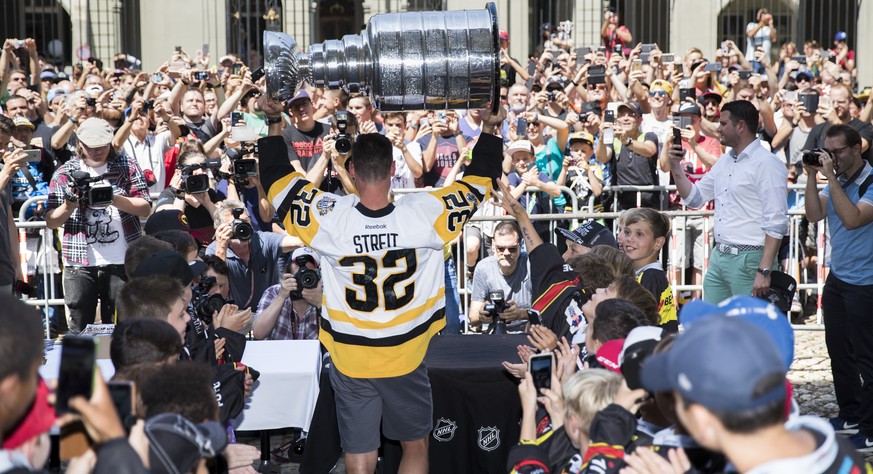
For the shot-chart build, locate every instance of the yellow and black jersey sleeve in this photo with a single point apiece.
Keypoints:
(294, 199)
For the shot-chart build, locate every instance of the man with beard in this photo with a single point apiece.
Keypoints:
(749, 187)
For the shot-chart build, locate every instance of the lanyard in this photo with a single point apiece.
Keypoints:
(149, 155)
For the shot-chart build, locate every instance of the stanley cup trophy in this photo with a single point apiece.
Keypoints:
(404, 61)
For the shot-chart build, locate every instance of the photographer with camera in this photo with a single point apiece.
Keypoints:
(250, 254)
(508, 271)
(191, 192)
(847, 203)
(291, 309)
(99, 198)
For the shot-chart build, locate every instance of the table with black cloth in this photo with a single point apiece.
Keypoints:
(476, 409)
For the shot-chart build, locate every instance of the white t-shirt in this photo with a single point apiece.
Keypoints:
(149, 155)
(403, 177)
(104, 232)
(761, 38)
(662, 130)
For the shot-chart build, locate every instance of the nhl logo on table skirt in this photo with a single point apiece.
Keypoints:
(444, 430)
(489, 438)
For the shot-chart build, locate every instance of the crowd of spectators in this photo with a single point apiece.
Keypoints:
(166, 230)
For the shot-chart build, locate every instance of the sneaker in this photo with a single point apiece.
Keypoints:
(842, 426)
(862, 443)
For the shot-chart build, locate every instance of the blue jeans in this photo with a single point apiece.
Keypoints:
(84, 285)
(453, 304)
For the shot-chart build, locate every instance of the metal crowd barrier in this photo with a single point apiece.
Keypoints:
(575, 215)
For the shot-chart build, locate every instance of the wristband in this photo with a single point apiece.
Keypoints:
(70, 117)
(274, 120)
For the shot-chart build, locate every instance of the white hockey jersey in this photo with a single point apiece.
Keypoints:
(382, 271)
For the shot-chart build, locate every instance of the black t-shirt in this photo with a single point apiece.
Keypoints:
(305, 146)
(204, 130)
(634, 169)
(816, 136)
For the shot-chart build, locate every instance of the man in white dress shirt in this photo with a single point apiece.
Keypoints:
(750, 187)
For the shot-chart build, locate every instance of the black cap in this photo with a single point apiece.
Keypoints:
(168, 219)
(170, 263)
(589, 234)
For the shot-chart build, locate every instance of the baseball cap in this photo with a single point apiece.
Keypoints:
(781, 292)
(689, 108)
(752, 310)
(225, 59)
(841, 36)
(168, 263)
(503, 34)
(517, 146)
(581, 137)
(94, 132)
(176, 444)
(796, 75)
(633, 106)
(608, 355)
(663, 85)
(38, 420)
(47, 74)
(301, 94)
(23, 122)
(55, 92)
(305, 252)
(94, 89)
(589, 234)
(638, 346)
(718, 363)
(555, 81)
(168, 219)
(715, 96)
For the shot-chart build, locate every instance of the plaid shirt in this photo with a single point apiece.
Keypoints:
(289, 325)
(130, 183)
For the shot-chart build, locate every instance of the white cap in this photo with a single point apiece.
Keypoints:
(305, 252)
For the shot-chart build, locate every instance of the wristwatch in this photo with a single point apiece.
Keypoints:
(765, 272)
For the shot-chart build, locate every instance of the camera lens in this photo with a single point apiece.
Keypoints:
(242, 230)
(343, 145)
(308, 278)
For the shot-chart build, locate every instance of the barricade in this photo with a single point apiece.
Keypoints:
(575, 215)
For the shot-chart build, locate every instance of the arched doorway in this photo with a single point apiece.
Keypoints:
(46, 21)
(735, 15)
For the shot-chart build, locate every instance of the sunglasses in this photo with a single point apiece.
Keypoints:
(658, 93)
(592, 87)
(533, 124)
(503, 97)
(511, 249)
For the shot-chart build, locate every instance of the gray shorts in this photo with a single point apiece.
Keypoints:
(403, 405)
(693, 255)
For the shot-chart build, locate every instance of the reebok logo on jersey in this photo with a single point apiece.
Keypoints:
(376, 226)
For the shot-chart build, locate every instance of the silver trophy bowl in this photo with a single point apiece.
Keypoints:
(403, 61)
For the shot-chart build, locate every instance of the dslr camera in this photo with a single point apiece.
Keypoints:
(813, 157)
(245, 168)
(307, 278)
(90, 191)
(204, 304)
(242, 230)
(343, 142)
(198, 183)
(496, 305)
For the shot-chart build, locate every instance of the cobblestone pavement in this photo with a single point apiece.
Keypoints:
(810, 374)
